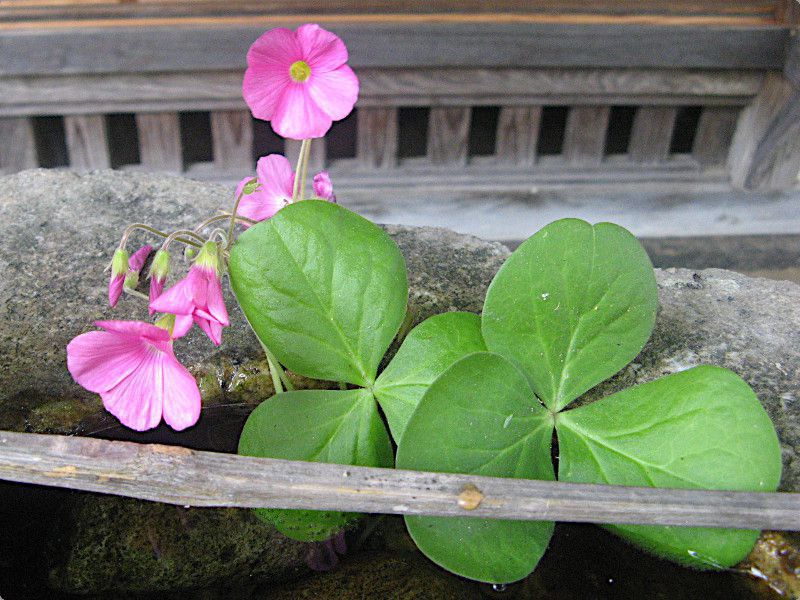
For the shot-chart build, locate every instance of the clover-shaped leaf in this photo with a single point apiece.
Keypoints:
(571, 306)
(330, 426)
(702, 428)
(480, 417)
(428, 350)
(323, 288)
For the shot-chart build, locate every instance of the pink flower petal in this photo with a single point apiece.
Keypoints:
(138, 258)
(137, 400)
(115, 289)
(321, 49)
(181, 396)
(211, 328)
(99, 360)
(183, 323)
(298, 117)
(137, 329)
(260, 206)
(275, 175)
(216, 303)
(323, 186)
(177, 300)
(334, 92)
(156, 287)
(267, 74)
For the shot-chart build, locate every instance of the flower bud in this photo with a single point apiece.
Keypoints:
(323, 186)
(119, 267)
(159, 270)
(208, 258)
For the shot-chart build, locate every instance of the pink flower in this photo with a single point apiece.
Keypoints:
(197, 298)
(132, 366)
(323, 186)
(119, 268)
(159, 270)
(299, 81)
(275, 182)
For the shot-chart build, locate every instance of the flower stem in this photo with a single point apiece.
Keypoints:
(279, 377)
(305, 170)
(175, 236)
(276, 378)
(134, 226)
(224, 217)
(232, 218)
(296, 189)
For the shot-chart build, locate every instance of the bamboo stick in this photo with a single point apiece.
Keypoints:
(176, 475)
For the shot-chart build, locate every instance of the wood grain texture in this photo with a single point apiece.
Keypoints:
(448, 130)
(377, 131)
(232, 139)
(154, 49)
(185, 477)
(75, 94)
(17, 144)
(518, 134)
(160, 141)
(585, 136)
(87, 142)
(651, 134)
(715, 130)
(765, 153)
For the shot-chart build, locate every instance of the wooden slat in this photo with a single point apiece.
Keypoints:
(153, 49)
(585, 136)
(103, 94)
(232, 139)
(448, 131)
(517, 134)
(715, 130)
(87, 142)
(652, 133)
(160, 141)
(377, 137)
(184, 477)
(765, 152)
(17, 144)
(316, 160)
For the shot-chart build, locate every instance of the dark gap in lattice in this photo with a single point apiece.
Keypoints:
(265, 140)
(196, 137)
(51, 142)
(685, 129)
(551, 130)
(620, 125)
(340, 142)
(123, 140)
(412, 131)
(483, 130)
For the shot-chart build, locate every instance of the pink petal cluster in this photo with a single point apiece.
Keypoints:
(159, 270)
(132, 366)
(119, 268)
(197, 298)
(276, 180)
(299, 81)
(135, 264)
(323, 186)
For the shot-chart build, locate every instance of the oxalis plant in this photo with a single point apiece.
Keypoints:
(326, 293)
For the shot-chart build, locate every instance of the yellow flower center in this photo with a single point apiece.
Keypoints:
(300, 71)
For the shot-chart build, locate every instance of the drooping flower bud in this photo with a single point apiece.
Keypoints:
(135, 264)
(159, 270)
(208, 258)
(323, 186)
(119, 267)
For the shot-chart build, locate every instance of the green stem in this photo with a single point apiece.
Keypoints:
(305, 170)
(276, 378)
(224, 217)
(233, 219)
(296, 192)
(134, 226)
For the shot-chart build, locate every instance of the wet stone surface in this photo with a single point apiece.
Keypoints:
(57, 233)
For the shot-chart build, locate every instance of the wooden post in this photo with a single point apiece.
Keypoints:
(17, 144)
(176, 475)
(712, 142)
(160, 141)
(585, 136)
(87, 142)
(448, 131)
(652, 133)
(232, 140)
(376, 147)
(518, 134)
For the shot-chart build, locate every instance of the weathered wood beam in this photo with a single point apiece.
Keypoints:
(715, 131)
(651, 134)
(585, 136)
(160, 146)
(376, 144)
(177, 475)
(87, 142)
(518, 134)
(448, 131)
(148, 48)
(232, 139)
(17, 144)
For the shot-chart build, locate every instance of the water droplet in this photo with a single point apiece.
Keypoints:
(545, 296)
(507, 422)
(499, 587)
